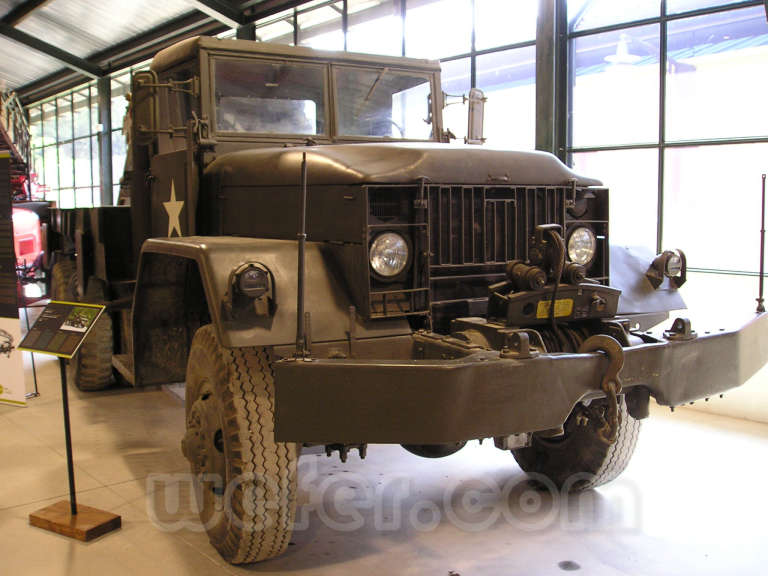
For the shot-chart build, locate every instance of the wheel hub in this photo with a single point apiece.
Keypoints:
(203, 443)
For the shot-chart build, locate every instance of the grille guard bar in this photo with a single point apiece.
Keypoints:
(483, 395)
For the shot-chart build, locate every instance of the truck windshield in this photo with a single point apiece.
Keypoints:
(382, 103)
(269, 97)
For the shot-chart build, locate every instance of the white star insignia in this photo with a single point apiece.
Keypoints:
(174, 208)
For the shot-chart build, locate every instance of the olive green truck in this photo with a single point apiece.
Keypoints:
(301, 245)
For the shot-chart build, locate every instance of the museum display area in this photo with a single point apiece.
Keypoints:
(428, 286)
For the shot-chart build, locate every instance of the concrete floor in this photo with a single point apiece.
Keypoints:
(693, 501)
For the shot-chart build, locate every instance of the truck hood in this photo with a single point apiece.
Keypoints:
(392, 163)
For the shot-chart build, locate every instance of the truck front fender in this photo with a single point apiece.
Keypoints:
(184, 283)
(639, 300)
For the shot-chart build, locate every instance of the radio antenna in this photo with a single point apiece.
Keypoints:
(300, 337)
(760, 305)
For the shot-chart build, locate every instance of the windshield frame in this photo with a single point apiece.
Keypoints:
(303, 56)
(215, 57)
(377, 67)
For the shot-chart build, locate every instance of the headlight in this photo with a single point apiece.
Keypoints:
(673, 267)
(388, 254)
(582, 245)
(670, 263)
(253, 282)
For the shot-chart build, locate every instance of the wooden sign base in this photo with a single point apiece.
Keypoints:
(87, 524)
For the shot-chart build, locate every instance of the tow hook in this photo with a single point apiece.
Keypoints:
(611, 384)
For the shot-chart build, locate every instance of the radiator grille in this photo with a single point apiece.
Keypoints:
(488, 224)
(462, 237)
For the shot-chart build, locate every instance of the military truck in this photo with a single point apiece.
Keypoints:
(306, 251)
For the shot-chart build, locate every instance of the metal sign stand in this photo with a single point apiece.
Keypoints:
(60, 330)
(68, 437)
(36, 392)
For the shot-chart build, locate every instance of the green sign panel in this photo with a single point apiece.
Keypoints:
(61, 328)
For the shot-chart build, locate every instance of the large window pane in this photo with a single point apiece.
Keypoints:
(716, 75)
(677, 6)
(66, 165)
(375, 27)
(49, 123)
(84, 197)
(712, 204)
(36, 127)
(95, 161)
(95, 118)
(438, 29)
(456, 80)
(121, 85)
(82, 108)
(615, 90)
(118, 156)
(705, 288)
(82, 163)
(586, 14)
(66, 198)
(321, 28)
(64, 123)
(37, 165)
(500, 22)
(632, 178)
(509, 81)
(51, 176)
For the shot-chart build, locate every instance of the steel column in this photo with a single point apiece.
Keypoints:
(246, 32)
(104, 88)
(545, 76)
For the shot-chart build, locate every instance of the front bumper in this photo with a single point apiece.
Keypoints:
(482, 395)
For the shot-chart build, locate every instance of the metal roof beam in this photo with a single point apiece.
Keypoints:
(267, 8)
(17, 14)
(75, 62)
(220, 10)
(145, 45)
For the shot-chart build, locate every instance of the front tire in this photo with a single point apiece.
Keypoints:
(580, 460)
(246, 482)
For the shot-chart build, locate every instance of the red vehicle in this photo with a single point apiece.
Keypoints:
(27, 239)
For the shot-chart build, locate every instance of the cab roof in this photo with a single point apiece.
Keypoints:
(189, 48)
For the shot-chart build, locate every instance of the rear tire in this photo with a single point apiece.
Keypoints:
(91, 368)
(64, 281)
(580, 460)
(246, 482)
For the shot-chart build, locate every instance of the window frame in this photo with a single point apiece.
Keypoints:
(430, 76)
(233, 136)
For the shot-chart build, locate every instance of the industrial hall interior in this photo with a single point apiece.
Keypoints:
(418, 287)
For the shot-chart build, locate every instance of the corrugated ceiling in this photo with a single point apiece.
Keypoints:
(87, 28)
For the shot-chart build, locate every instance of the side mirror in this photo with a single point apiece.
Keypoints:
(475, 122)
(144, 105)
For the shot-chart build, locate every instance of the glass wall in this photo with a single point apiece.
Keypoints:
(491, 46)
(64, 133)
(65, 147)
(488, 44)
(120, 86)
(667, 107)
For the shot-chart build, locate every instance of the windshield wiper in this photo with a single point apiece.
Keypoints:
(375, 84)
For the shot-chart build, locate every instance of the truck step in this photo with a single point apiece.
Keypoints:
(123, 363)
